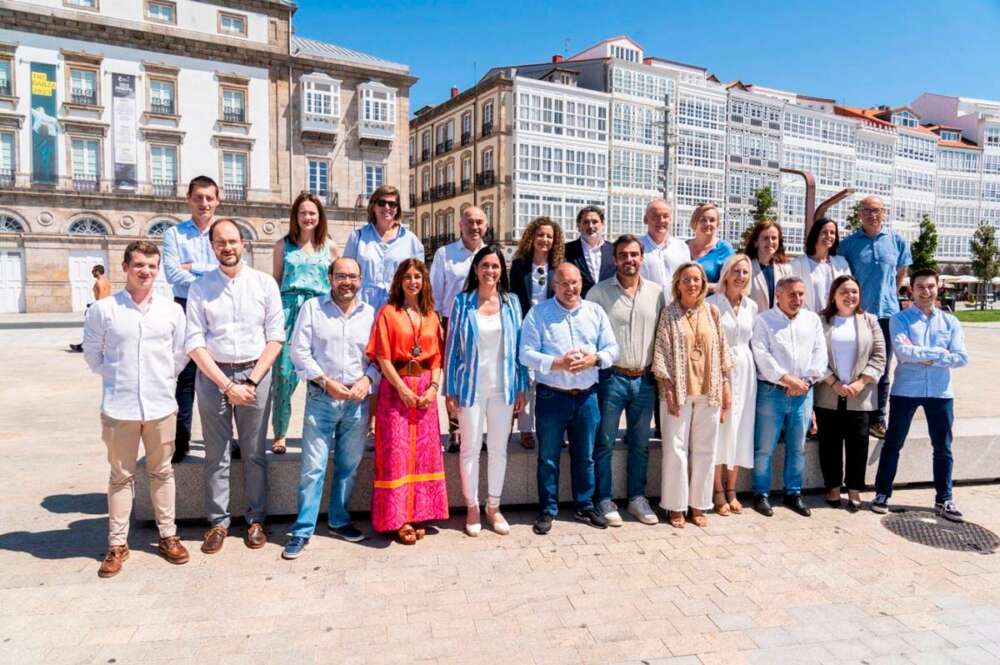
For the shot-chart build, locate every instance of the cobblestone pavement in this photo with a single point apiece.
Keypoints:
(836, 588)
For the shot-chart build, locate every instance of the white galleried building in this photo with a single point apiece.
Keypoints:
(589, 128)
(108, 108)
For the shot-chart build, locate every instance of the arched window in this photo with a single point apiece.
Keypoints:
(10, 225)
(87, 226)
(159, 228)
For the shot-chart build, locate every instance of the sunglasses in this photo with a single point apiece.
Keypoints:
(541, 276)
(386, 203)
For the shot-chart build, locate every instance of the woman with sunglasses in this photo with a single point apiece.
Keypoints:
(540, 250)
(382, 245)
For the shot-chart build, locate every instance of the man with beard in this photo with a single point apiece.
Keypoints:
(235, 329)
(328, 351)
(591, 253)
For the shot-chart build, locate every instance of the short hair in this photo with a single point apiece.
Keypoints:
(626, 239)
(589, 209)
(675, 285)
(425, 301)
(760, 227)
(813, 237)
(223, 220)
(701, 210)
(330, 268)
(472, 280)
(384, 190)
(924, 272)
(98, 268)
(319, 235)
(727, 267)
(785, 282)
(144, 247)
(525, 246)
(830, 310)
(202, 181)
(649, 206)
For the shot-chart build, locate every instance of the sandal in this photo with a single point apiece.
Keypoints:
(734, 504)
(676, 519)
(278, 447)
(407, 535)
(721, 507)
(527, 440)
(698, 519)
(421, 532)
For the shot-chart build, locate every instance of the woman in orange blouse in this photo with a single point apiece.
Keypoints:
(409, 468)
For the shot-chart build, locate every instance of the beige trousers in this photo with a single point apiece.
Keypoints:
(689, 454)
(122, 440)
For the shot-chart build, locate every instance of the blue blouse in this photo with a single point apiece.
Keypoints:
(379, 259)
(716, 257)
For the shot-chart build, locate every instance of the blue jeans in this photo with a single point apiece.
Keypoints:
(327, 419)
(940, 415)
(878, 416)
(637, 397)
(556, 414)
(777, 413)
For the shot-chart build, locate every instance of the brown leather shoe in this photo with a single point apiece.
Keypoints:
(172, 550)
(113, 560)
(256, 536)
(214, 538)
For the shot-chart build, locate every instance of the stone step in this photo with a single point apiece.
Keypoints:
(976, 450)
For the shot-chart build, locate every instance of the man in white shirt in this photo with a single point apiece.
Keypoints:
(449, 270)
(663, 252)
(135, 341)
(565, 340)
(235, 329)
(591, 253)
(789, 349)
(328, 351)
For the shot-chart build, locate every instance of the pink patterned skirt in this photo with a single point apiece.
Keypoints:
(409, 466)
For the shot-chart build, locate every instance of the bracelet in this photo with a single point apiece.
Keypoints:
(434, 384)
(229, 386)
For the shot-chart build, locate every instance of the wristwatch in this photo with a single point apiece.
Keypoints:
(250, 381)
(321, 382)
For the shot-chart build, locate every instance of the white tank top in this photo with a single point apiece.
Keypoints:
(490, 371)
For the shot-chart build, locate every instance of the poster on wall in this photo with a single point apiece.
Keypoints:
(123, 117)
(44, 125)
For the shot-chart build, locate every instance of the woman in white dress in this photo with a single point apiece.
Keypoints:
(735, 444)
(820, 265)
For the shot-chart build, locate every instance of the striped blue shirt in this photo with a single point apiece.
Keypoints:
(462, 349)
(185, 243)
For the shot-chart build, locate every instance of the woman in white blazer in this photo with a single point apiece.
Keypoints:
(768, 261)
(820, 265)
(845, 397)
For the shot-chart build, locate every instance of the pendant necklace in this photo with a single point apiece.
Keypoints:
(696, 352)
(415, 351)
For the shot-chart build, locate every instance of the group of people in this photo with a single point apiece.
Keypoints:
(723, 353)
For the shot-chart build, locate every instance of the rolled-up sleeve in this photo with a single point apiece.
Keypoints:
(274, 315)
(607, 345)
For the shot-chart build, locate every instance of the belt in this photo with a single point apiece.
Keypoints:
(410, 368)
(237, 367)
(629, 372)
(569, 391)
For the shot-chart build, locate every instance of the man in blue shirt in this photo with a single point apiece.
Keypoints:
(187, 254)
(565, 340)
(928, 343)
(878, 258)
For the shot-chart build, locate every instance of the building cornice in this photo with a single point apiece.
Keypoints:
(463, 98)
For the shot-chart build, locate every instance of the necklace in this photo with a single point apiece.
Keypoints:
(697, 352)
(415, 351)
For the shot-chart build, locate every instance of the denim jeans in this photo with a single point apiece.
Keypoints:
(878, 415)
(940, 415)
(777, 412)
(326, 421)
(556, 414)
(637, 397)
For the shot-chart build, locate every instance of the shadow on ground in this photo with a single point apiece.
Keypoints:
(85, 504)
(82, 538)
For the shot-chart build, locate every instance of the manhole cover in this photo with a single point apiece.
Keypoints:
(928, 529)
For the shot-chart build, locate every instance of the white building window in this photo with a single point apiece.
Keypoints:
(232, 24)
(918, 180)
(86, 158)
(377, 111)
(234, 175)
(160, 10)
(6, 79)
(466, 127)
(830, 169)
(624, 53)
(161, 96)
(918, 148)
(83, 4)
(159, 228)
(965, 161)
(950, 135)
(319, 183)
(487, 118)
(487, 160)
(635, 123)
(627, 81)
(321, 99)
(163, 167)
(903, 119)
(963, 189)
(991, 191)
(87, 226)
(374, 177)
(702, 149)
(876, 151)
(636, 170)
(83, 86)
(10, 225)
(956, 217)
(991, 136)
(819, 129)
(466, 170)
(698, 112)
(7, 164)
(233, 105)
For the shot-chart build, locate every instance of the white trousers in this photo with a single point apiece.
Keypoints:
(689, 455)
(495, 415)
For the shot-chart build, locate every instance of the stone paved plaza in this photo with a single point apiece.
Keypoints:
(836, 588)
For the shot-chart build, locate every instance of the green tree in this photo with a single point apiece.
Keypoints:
(985, 256)
(853, 221)
(924, 247)
(763, 209)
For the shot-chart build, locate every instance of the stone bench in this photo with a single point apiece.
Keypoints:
(976, 450)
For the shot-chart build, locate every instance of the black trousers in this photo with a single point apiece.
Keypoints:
(185, 399)
(842, 431)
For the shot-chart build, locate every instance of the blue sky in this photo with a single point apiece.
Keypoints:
(861, 53)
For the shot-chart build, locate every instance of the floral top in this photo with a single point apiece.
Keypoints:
(671, 356)
(305, 271)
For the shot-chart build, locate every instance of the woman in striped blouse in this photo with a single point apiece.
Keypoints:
(484, 384)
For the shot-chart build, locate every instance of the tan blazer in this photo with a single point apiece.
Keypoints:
(870, 362)
(758, 284)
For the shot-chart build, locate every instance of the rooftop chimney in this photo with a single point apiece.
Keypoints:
(454, 92)
(557, 58)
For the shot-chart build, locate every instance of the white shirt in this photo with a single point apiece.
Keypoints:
(789, 346)
(234, 318)
(327, 342)
(660, 261)
(137, 353)
(539, 282)
(490, 374)
(844, 345)
(449, 270)
(593, 255)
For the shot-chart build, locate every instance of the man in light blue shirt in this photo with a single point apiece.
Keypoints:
(187, 255)
(928, 343)
(564, 340)
(878, 258)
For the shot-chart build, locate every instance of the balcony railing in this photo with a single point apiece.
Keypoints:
(86, 97)
(425, 154)
(234, 115)
(7, 177)
(486, 179)
(487, 128)
(444, 146)
(425, 196)
(466, 184)
(164, 106)
(413, 201)
(234, 192)
(5, 89)
(444, 191)
(466, 138)
(165, 188)
(86, 183)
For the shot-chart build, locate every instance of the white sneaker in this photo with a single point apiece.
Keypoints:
(608, 508)
(638, 507)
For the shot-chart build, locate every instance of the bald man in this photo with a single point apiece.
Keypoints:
(565, 340)
(449, 268)
(878, 258)
(663, 252)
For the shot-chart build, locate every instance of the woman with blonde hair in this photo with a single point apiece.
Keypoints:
(540, 250)
(692, 363)
(770, 264)
(706, 247)
(734, 448)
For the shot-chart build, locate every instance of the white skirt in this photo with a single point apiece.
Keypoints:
(735, 445)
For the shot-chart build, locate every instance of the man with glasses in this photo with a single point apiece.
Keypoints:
(328, 350)
(235, 329)
(591, 253)
(878, 258)
(663, 252)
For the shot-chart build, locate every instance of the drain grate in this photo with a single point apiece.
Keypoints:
(928, 529)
